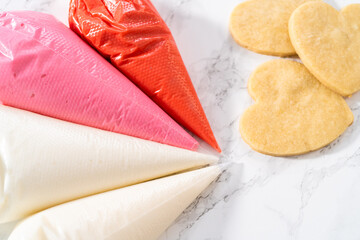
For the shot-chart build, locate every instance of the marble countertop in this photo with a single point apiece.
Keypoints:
(314, 196)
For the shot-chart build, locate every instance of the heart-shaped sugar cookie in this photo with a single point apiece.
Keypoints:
(293, 113)
(262, 25)
(328, 43)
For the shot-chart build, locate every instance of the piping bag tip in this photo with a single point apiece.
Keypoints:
(216, 146)
(211, 140)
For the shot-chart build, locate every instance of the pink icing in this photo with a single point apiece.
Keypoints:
(47, 69)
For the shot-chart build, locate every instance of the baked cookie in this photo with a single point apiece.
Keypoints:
(262, 25)
(328, 43)
(293, 112)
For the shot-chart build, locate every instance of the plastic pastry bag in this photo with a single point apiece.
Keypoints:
(139, 212)
(133, 36)
(46, 161)
(47, 69)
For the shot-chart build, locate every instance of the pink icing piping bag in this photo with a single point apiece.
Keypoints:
(47, 69)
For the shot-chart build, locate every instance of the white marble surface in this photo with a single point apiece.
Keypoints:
(314, 196)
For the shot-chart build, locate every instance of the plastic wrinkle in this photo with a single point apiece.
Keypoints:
(136, 40)
(51, 71)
